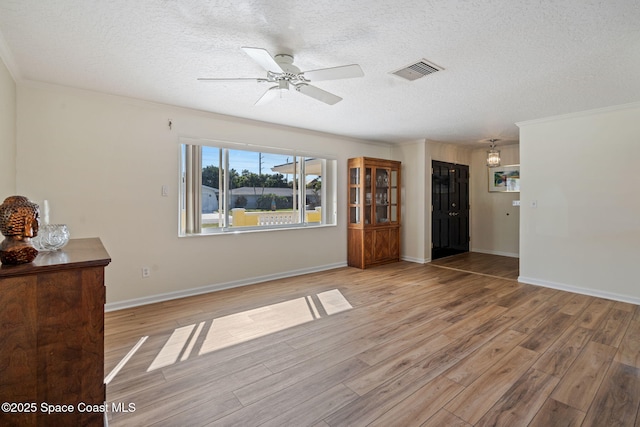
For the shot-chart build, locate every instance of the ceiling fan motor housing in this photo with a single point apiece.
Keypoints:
(289, 71)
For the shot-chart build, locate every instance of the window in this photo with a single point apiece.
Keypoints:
(234, 187)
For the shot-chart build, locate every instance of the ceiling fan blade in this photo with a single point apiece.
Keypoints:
(335, 73)
(241, 79)
(262, 57)
(271, 94)
(317, 93)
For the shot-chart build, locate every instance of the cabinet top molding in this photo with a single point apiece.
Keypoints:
(87, 252)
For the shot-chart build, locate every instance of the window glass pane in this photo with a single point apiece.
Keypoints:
(313, 190)
(212, 214)
(262, 188)
(225, 188)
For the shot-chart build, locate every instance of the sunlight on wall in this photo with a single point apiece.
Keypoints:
(247, 325)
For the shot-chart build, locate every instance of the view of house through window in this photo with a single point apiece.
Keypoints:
(225, 189)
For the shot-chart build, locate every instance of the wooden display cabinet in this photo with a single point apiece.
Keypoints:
(374, 212)
(52, 337)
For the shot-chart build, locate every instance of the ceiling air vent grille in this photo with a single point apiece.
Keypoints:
(417, 70)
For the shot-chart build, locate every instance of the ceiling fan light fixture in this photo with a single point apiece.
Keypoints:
(283, 85)
(493, 155)
(283, 89)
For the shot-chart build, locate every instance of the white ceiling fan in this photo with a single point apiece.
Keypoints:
(282, 72)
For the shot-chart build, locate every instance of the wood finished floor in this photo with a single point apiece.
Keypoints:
(421, 346)
(485, 264)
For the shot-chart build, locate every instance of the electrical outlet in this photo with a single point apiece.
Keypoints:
(146, 272)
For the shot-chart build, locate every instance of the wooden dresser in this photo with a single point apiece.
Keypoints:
(52, 337)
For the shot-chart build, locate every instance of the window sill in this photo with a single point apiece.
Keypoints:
(244, 230)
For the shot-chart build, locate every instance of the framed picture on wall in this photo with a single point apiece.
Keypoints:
(504, 179)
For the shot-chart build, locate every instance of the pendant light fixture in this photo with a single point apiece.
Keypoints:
(493, 155)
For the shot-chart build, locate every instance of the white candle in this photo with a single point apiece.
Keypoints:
(45, 213)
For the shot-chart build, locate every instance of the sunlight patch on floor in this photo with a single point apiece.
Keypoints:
(241, 327)
(124, 360)
(334, 302)
(169, 353)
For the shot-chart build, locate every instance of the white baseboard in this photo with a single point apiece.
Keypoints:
(579, 290)
(136, 302)
(490, 252)
(416, 260)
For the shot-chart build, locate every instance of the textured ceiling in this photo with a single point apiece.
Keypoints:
(505, 60)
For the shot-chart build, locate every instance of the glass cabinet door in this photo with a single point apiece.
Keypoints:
(368, 197)
(373, 195)
(354, 196)
(382, 195)
(393, 196)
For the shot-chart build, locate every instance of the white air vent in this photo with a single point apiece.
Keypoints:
(416, 70)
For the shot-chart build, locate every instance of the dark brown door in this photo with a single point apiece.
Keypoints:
(450, 216)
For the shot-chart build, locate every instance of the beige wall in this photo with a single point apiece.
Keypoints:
(447, 153)
(101, 162)
(495, 222)
(582, 172)
(7, 133)
(414, 218)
